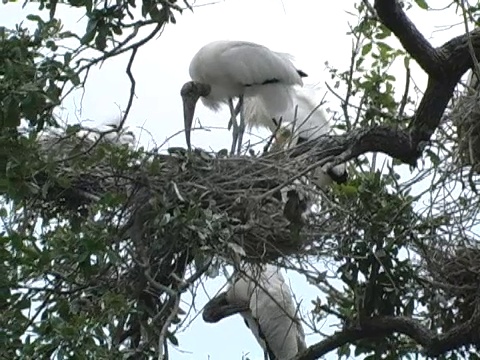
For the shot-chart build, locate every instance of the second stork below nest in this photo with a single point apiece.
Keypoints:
(265, 302)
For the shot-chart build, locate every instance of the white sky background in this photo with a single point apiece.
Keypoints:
(313, 31)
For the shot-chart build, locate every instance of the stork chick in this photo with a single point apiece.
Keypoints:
(304, 121)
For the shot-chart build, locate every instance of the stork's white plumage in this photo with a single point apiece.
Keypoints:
(224, 70)
(303, 121)
(472, 80)
(264, 300)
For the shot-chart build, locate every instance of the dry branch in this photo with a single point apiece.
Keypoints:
(433, 344)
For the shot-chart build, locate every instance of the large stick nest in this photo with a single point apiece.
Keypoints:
(466, 118)
(234, 201)
(456, 271)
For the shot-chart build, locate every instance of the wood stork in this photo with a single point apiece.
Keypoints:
(224, 70)
(304, 121)
(264, 300)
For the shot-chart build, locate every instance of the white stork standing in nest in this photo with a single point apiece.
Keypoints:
(224, 70)
(265, 302)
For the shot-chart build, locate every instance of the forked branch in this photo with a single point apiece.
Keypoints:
(444, 65)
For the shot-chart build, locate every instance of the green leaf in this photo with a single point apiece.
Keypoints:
(73, 129)
(433, 157)
(77, 3)
(32, 105)
(12, 113)
(117, 30)
(172, 338)
(348, 190)
(156, 14)
(384, 46)
(422, 4)
(36, 18)
(51, 45)
(101, 39)
(90, 32)
(66, 34)
(67, 57)
(146, 5)
(88, 5)
(74, 78)
(366, 49)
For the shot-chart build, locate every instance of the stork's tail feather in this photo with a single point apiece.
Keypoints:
(277, 99)
(302, 73)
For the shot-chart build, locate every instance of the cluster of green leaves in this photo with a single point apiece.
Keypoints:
(59, 296)
(378, 276)
(28, 89)
(51, 268)
(35, 68)
(74, 285)
(368, 83)
(106, 23)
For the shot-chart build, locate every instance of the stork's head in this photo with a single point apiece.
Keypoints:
(220, 307)
(191, 92)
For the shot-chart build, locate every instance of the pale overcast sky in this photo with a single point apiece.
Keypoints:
(313, 31)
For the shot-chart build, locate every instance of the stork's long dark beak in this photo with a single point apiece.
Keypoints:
(189, 103)
(219, 308)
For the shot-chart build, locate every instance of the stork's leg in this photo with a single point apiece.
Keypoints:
(241, 127)
(233, 123)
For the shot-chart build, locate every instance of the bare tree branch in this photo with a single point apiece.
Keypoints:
(433, 344)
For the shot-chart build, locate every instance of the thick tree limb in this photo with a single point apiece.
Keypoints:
(394, 18)
(433, 344)
(393, 142)
(430, 110)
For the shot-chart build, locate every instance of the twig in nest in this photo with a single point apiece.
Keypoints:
(266, 148)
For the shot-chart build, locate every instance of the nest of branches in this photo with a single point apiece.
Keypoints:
(217, 202)
(456, 271)
(466, 118)
(152, 224)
